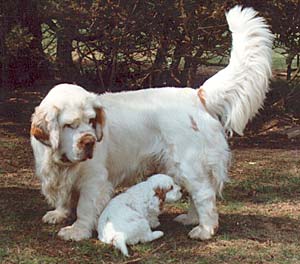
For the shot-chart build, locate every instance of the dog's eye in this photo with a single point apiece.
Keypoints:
(171, 188)
(68, 125)
(72, 126)
(92, 122)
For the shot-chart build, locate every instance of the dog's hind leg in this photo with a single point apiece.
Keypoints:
(204, 198)
(203, 194)
(195, 176)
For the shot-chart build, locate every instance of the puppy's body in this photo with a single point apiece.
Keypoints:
(129, 217)
(177, 131)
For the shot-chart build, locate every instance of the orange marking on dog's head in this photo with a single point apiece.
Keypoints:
(161, 194)
(86, 139)
(39, 133)
(100, 116)
(99, 123)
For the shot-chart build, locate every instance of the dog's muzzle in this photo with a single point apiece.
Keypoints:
(87, 144)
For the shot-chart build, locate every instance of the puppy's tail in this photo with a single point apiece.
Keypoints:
(236, 93)
(119, 242)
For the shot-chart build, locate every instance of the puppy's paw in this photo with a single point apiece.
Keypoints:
(154, 223)
(55, 217)
(74, 233)
(157, 234)
(186, 219)
(202, 233)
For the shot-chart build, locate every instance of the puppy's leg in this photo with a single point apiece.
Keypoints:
(150, 236)
(95, 193)
(191, 218)
(154, 222)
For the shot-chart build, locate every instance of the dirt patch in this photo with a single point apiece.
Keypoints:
(259, 215)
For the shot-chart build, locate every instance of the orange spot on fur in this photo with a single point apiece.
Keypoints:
(87, 139)
(202, 96)
(100, 116)
(194, 124)
(161, 194)
(39, 133)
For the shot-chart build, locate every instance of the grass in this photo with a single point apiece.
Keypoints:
(259, 220)
(259, 214)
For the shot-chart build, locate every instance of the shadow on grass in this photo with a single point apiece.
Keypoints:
(21, 211)
(259, 193)
(259, 228)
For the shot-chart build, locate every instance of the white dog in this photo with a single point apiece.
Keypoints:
(177, 131)
(129, 217)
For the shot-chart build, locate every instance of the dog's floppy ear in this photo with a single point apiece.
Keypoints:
(44, 126)
(161, 195)
(100, 122)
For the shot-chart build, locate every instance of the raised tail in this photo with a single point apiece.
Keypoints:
(236, 93)
(119, 242)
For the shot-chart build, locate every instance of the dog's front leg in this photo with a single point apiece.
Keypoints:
(59, 198)
(95, 192)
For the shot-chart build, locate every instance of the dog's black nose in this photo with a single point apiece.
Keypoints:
(89, 149)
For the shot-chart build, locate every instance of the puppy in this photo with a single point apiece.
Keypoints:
(129, 217)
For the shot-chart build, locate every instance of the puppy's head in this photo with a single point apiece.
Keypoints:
(69, 121)
(165, 188)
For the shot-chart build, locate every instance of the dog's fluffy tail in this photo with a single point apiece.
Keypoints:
(236, 93)
(119, 242)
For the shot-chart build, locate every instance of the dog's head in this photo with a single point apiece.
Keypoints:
(70, 121)
(165, 188)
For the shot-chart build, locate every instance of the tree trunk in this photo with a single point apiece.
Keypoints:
(29, 60)
(64, 59)
(159, 65)
(289, 61)
(3, 55)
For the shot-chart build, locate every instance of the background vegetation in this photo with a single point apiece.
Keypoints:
(119, 45)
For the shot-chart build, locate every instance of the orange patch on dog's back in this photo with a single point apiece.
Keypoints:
(194, 124)
(202, 96)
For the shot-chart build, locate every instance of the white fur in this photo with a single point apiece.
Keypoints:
(129, 217)
(71, 105)
(237, 92)
(164, 130)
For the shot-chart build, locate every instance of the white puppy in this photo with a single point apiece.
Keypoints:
(129, 217)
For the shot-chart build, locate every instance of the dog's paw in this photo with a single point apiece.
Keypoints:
(74, 233)
(202, 233)
(185, 219)
(55, 217)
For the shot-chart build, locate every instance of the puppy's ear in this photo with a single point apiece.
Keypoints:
(161, 194)
(100, 122)
(44, 126)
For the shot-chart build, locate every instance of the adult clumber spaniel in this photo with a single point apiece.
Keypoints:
(129, 217)
(92, 143)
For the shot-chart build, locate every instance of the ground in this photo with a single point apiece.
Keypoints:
(259, 211)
